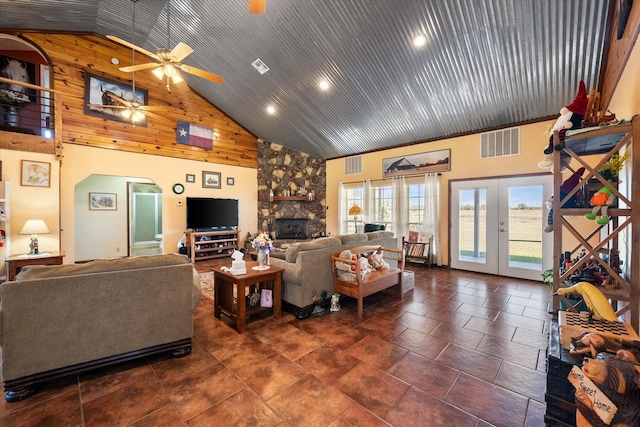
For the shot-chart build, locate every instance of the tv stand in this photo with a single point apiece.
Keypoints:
(203, 245)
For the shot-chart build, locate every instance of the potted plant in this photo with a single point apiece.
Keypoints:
(613, 166)
(547, 277)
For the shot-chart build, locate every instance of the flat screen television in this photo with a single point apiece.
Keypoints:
(207, 214)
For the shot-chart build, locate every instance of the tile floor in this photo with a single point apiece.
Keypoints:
(461, 349)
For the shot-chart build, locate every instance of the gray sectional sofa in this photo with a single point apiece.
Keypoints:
(307, 267)
(65, 319)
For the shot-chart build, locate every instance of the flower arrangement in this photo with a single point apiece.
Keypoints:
(614, 165)
(262, 242)
(13, 98)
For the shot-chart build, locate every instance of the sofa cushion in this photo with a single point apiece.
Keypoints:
(323, 242)
(351, 239)
(374, 235)
(100, 266)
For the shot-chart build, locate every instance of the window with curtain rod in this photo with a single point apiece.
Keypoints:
(388, 179)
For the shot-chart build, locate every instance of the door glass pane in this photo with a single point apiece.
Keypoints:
(525, 227)
(473, 225)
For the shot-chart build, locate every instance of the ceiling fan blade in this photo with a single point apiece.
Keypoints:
(257, 7)
(116, 98)
(152, 108)
(132, 46)
(148, 113)
(201, 73)
(181, 51)
(132, 68)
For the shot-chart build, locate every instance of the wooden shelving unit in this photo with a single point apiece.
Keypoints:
(211, 244)
(415, 252)
(623, 231)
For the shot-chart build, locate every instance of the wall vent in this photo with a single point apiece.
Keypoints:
(500, 143)
(352, 165)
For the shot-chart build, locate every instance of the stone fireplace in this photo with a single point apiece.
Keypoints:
(291, 228)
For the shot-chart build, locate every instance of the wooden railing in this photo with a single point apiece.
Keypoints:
(30, 118)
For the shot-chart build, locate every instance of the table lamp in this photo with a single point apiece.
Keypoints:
(355, 211)
(34, 227)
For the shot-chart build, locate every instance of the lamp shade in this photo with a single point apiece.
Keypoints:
(35, 226)
(355, 210)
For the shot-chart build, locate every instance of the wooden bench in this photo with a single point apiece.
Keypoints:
(372, 282)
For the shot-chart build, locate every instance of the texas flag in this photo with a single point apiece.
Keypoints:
(194, 135)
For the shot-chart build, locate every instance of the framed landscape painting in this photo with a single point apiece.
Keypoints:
(413, 164)
(103, 201)
(211, 179)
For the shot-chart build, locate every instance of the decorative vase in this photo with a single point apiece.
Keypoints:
(262, 258)
(11, 116)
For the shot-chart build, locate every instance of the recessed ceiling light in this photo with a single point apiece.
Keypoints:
(271, 109)
(115, 61)
(419, 40)
(324, 85)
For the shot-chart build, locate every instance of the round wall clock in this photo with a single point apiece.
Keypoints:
(178, 188)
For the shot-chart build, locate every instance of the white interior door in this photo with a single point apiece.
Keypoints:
(496, 226)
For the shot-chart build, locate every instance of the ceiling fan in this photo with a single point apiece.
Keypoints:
(133, 109)
(168, 62)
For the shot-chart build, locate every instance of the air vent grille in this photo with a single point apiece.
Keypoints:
(353, 165)
(259, 65)
(500, 143)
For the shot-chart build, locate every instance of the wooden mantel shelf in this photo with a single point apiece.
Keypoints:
(290, 198)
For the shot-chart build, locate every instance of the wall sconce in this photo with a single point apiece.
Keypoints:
(34, 227)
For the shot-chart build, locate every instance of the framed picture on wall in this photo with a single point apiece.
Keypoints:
(413, 164)
(103, 201)
(97, 101)
(14, 69)
(35, 174)
(190, 178)
(211, 179)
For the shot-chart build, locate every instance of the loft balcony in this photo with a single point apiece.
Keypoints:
(28, 119)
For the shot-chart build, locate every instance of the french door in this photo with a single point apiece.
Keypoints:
(496, 226)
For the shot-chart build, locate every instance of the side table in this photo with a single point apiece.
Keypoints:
(15, 263)
(223, 293)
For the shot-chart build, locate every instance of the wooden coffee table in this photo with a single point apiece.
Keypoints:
(224, 283)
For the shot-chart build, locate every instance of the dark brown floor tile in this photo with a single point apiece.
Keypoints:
(477, 311)
(127, 404)
(242, 409)
(489, 327)
(417, 409)
(271, 330)
(372, 388)
(509, 350)
(529, 302)
(423, 344)
(505, 306)
(313, 325)
(532, 339)
(449, 316)
(490, 402)
(340, 336)
(418, 322)
(377, 352)
(244, 352)
(309, 402)
(470, 361)
(415, 307)
(193, 395)
(167, 416)
(427, 375)
(295, 344)
(522, 322)
(271, 375)
(512, 290)
(535, 414)
(458, 335)
(101, 382)
(172, 369)
(62, 410)
(328, 363)
(356, 416)
(385, 329)
(524, 381)
(44, 392)
(536, 313)
(469, 299)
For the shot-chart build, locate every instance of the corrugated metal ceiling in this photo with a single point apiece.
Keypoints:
(486, 64)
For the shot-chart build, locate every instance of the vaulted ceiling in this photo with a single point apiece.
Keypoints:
(486, 64)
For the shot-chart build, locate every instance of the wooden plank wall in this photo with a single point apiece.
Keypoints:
(72, 55)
